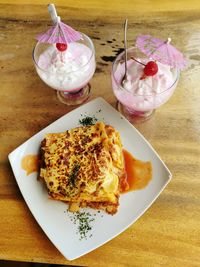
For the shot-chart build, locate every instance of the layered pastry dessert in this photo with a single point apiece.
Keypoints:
(83, 167)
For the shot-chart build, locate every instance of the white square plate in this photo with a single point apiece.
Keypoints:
(52, 216)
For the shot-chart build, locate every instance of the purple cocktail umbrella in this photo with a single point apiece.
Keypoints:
(59, 32)
(161, 51)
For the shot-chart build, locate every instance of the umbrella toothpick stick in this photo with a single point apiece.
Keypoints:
(59, 33)
(53, 13)
(168, 40)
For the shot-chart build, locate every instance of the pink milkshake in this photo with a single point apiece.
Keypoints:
(141, 94)
(68, 71)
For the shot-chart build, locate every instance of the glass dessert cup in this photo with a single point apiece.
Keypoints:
(139, 104)
(68, 72)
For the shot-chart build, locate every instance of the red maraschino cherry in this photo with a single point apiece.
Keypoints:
(151, 68)
(61, 47)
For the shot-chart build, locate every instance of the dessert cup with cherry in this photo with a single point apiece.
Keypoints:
(67, 68)
(149, 84)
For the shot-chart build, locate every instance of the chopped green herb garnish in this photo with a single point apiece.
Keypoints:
(83, 221)
(88, 121)
(73, 175)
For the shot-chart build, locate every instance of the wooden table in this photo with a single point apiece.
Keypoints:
(168, 234)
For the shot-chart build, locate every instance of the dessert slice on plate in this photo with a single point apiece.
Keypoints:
(83, 166)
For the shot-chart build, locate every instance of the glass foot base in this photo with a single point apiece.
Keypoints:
(134, 116)
(75, 98)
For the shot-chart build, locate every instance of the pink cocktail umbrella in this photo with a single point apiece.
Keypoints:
(161, 51)
(59, 32)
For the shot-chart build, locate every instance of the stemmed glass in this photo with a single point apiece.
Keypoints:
(138, 105)
(67, 72)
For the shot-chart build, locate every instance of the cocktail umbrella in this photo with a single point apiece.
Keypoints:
(59, 32)
(161, 51)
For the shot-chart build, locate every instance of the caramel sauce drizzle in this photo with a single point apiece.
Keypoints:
(138, 173)
(30, 163)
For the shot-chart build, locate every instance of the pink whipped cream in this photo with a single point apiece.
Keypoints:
(143, 94)
(69, 70)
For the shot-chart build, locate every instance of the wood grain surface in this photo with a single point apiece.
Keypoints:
(168, 234)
